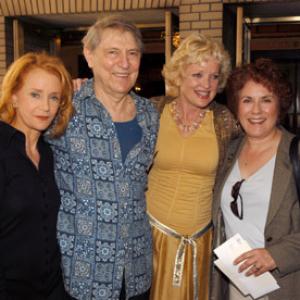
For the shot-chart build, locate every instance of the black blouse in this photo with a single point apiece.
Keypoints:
(29, 203)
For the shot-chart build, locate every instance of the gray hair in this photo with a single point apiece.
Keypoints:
(93, 36)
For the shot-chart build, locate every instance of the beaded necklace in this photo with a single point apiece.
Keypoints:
(186, 129)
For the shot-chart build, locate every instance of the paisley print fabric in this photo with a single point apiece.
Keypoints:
(103, 230)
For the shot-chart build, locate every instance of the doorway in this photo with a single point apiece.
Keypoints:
(270, 30)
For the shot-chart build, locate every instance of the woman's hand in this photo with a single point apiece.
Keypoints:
(77, 83)
(258, 261)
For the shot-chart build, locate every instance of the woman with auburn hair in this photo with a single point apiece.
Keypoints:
(15, 77)
(36, 96)
(193, 135)
(255, 193)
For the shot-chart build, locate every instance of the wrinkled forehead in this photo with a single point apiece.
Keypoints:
(118, 36)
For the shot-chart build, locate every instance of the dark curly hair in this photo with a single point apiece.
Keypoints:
(264, 72)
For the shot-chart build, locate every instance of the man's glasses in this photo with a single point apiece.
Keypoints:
(235, 194)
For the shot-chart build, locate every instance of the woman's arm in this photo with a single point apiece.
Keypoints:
(2, 274)
(286, 250)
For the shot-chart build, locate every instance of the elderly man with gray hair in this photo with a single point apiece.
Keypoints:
(101, 165)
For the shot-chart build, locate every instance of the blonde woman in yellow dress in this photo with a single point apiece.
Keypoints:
(193, 135)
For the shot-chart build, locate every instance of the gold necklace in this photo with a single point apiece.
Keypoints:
(184, 127)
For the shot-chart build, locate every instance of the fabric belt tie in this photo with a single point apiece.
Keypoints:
(180, 254)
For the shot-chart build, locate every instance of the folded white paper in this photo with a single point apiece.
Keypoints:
(248, 285)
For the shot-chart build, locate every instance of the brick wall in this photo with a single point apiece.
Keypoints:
(205, 16)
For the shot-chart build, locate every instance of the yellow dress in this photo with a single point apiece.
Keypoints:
(179, 196)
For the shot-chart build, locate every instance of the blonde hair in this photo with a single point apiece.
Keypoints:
(195, 49)
(14, 80)
(93, 36)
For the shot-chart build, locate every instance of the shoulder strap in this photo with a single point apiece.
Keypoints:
(295, 160)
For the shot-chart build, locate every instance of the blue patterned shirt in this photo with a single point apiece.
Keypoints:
(103, 228)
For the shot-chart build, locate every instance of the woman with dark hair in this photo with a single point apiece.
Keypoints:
(255, 193)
